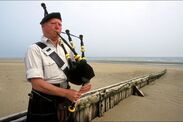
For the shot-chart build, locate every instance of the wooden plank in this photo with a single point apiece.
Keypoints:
(137, 91)
(116, 100)
(87, 115)
(81, 115)
(101, 108)
(120, 95)
(90, 113)
(123, 94)
(95, 110)
(111, 101)
(128, 92)
(77, 116)
(107, 104)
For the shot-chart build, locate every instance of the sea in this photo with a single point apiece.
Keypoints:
(153, 60)
(139, 59)
(167, 60)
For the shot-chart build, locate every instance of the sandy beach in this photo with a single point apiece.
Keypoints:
(162, 102)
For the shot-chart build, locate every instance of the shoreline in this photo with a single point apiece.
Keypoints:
(129, 61)
(21, 60)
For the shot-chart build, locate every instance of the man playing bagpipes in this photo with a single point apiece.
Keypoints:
(50, 65)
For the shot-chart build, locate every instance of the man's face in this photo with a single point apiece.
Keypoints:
(52, 26)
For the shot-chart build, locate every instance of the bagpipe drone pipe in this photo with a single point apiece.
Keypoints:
(79, 72)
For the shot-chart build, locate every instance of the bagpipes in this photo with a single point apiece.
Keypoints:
(79, 72)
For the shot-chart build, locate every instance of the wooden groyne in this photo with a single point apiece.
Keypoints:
(95, 103)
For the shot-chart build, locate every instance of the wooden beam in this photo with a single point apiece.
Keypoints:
(137, 91)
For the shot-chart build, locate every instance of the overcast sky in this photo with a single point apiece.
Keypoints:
(110, 28)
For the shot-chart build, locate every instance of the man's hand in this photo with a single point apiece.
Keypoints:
(85, 88)
(73, 95)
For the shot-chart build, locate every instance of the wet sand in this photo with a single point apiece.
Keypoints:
(162, 102)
